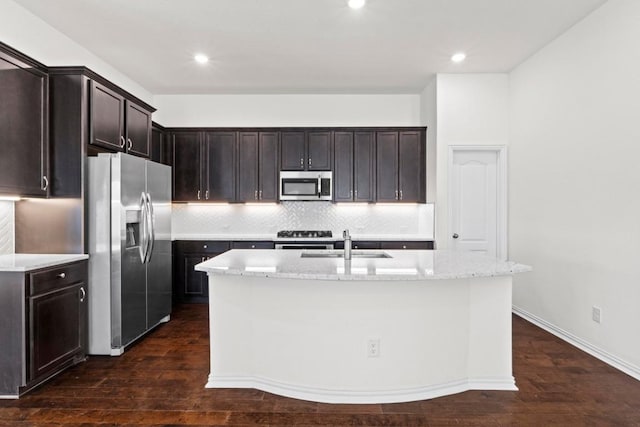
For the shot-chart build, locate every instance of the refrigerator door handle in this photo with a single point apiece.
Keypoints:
(144, 233)
(151, 227)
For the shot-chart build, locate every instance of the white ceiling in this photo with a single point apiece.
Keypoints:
(307, 46)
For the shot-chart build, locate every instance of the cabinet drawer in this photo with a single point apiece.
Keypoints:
(45, 280)
(252, 245)
(407, 245)
(202, 246)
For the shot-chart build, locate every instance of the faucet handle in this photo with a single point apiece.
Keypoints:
(345, 234)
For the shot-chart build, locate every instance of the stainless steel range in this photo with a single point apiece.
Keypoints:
(304, 239)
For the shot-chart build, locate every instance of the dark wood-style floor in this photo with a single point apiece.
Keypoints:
(160, 381)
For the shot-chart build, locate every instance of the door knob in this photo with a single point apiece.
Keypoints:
(455, 235)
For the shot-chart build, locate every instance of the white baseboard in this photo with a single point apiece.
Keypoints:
(357, 396)
(606, 357)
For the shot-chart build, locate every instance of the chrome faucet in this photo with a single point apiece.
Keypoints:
(347, 244)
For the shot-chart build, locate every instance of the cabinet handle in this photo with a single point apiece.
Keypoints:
(61, 275)
(45, 183)
(260, 195)
(122, 142)
(205, 246)
(202, 259)
(400, 194)
(396, 194)
(309, 161)
(255, 196)
(350, 193)
(356, 194)
(301, 161)
(253, 246)
(129, 144)
(83, 294)
(404, 246)
(198, 194)
(206, 195)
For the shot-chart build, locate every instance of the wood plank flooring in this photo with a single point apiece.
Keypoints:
(160, 381)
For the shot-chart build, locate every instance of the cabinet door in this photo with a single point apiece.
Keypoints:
(386, 166)
(268, 167)
(56, 328)
(292, 151)
(247, 167)
(138, 135)
(24, 132)
(319, 150)
(220, 170)
(192, 286)
(106, 119)
(411, 164)
(159, 146)
(343, 167)
(363, 167)
(187, 166)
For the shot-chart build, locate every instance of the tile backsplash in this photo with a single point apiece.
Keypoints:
(7, 228)
(410, 219)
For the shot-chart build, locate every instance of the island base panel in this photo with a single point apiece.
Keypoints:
(309, 339)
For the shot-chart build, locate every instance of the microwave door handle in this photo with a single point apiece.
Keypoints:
(319, 187)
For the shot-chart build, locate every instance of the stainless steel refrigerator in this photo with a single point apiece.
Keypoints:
(129, 218)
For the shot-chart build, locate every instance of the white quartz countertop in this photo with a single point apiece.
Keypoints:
(28, 262)
(273, 237)
(400, 265)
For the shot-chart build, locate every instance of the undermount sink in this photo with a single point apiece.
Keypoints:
(340, 254)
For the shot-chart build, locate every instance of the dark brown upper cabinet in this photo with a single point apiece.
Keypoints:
(257, 167)
(138, 134)
(118, 124)
(24, 120)
(400, 166)
(188, 166)
(89, 115)
(306, 150)
(203, 166)
(160, 148)
(353, 166)
(220, 169)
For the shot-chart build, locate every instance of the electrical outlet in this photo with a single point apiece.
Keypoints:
(596, 314)
(373, 348)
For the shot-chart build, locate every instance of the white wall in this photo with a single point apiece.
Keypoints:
(429, 118)
(30, 35)
(574, 211)
(287, 110)
(471, 109)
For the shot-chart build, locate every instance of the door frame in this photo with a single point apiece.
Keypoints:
(501, 194)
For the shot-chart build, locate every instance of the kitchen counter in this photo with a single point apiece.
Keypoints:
(29, 262)
(272, 237)
(401, 265)
(415, 326)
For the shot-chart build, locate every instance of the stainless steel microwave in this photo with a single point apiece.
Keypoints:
(305, 185)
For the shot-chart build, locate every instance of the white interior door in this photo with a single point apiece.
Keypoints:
(475, 201)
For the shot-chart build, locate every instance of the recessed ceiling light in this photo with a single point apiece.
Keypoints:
(201, 58)
(458, 57)
(356, 4)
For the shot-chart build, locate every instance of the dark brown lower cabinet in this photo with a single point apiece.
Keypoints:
(189, 285)
(44, 327)
(388, 244)
(56, 318)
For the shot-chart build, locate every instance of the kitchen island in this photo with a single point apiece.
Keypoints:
(386, 326)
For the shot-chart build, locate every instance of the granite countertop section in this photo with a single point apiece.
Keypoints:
(272, 237)
(28, 262)
(402, 265)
